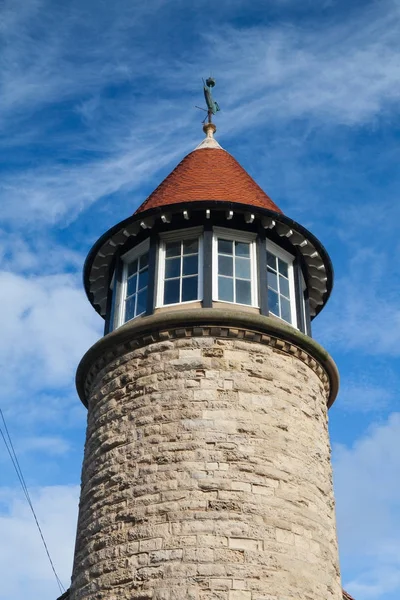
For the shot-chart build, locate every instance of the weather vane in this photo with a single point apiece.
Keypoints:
(212, 105)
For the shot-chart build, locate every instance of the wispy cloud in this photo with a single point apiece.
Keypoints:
(364, 312)
(345, 73)
(44, 444)
(341, 72)
(365, 396)
(37, 254)
(23, 562)
(56, 194)
(368, 499)
(46, 325)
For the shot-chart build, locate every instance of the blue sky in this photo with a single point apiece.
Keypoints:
(96, 107)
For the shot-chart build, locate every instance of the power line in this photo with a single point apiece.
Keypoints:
(14, 459)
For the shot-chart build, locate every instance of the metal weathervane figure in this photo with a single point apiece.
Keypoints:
(212, 105)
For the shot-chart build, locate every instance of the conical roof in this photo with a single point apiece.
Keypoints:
(208, 173)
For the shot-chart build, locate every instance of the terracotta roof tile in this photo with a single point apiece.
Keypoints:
(208, 174)
(347, 596)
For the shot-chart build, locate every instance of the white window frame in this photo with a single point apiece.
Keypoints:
(303, 302)
(236, 236)
(121, 289)
(176, 236)
(289, 259)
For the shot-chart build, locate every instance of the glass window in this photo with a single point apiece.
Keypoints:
(180, 266)
(280, 286)
(234, 268)
(136, 278)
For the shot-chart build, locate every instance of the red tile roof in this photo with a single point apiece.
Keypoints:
(208, 174)
(347, 596)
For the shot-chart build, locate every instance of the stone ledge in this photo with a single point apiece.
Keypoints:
(211, 322)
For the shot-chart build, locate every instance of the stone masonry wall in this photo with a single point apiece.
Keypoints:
(206, 476)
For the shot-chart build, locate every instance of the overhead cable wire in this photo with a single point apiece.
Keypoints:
(14, 459)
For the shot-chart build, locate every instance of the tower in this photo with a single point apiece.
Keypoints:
(207, 471)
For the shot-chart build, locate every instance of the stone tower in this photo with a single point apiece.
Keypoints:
(207, 471)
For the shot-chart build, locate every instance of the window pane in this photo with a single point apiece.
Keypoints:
(171, 291)
(242, 249)
(242, 268)
(144, 261)
(130, 308)
(225, 265)
(172, 249)
(143, 279)
(243, 291)
(131, 287)
(225, 246)
(271, 260)
(191, 246)
(284, 286)
(272, 280)
(172, 267)
(132, 267)
(225, 289)
(283, 267)
(141, 302)
(273, 302)
(190, 264)
(285, 310)
(189, 289)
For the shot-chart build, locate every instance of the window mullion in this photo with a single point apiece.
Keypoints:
(137, 286)
(234, 270)
(114, 298)
(121, 274)
(307, 312)
(299, 295)
(253, 275)
(262, 272)
(278, 285)
(207, 267)
(181, 275)
(151, 282)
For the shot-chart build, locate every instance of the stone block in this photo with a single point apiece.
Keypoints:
(160, 556)
(263, 490)
(151, 544)
(239, 595)
(284, 537)
(245, 544)
(220, 584)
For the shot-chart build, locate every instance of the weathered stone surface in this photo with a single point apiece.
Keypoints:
(206, 477)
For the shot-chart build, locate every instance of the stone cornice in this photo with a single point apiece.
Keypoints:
(231, 324)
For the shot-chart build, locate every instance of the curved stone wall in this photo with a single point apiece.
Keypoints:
(207, 475)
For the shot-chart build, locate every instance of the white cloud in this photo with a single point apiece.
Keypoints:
(39, 254)
(24, 567)
(50, 52)
(57, 194)
(51, 445)
(364, 396)
(342, 73)
(364, 312)
(368, 501)
(47, 325)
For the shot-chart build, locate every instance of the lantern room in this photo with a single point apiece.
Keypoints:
(208, 237)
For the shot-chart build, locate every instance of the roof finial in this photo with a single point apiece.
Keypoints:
(209, 129)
